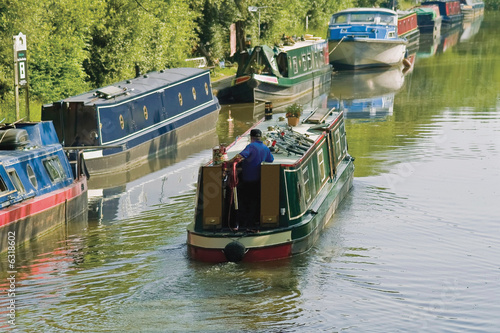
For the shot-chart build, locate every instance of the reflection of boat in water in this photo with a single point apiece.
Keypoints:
(368, 93)
(449, 38)
(470, 28)
(311, 174)
(155, 182)
(365, 37)
(40, 187)
(137, 119)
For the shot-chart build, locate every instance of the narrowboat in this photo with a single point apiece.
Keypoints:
(471, 8)
(282, 73)
(408, 28)
(299, 192)
(365, 37)
(449, 10)
(132, 122)
(40, 187)
(429, 19)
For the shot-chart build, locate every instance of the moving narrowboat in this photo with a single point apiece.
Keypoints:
(365, 37)
(449, 10)
(299, 192)
(281, 74)
(131, 122)
(39, 186)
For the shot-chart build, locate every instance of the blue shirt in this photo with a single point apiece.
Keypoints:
(254, 154)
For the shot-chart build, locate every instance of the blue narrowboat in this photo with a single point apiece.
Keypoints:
(40, 187)
(131, 122)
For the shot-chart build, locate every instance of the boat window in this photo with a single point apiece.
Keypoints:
(295, 66)
(339, 19)
(309, 61)
(365, 17)
(14, 177)
(321, 165)
(304, 63)
(31, 176)
(54, 169)
(338, 147)
(307, 184)
(388, 19)
(391, 34)
(3, 187)
(343, 141)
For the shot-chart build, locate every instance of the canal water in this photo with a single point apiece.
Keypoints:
(413, 248)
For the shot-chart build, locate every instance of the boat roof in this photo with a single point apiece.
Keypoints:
(366, 10)
(302, 43)
(137, 86)
(312, 127)
(42, 138)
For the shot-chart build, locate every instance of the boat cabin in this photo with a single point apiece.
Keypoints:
(306, 158)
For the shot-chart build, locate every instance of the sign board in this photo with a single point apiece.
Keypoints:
(21, 59)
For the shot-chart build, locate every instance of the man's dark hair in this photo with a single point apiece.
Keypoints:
(256, 133)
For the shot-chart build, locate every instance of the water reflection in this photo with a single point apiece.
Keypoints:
(124, 195)
(366, 93)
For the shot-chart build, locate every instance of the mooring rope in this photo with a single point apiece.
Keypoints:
(340, 41)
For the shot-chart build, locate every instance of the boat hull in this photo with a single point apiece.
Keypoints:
(265, 88)
(276, 244)
(36, 216)
(363, 52)
(175, 135)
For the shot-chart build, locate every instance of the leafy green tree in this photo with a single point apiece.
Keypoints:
(153, 34)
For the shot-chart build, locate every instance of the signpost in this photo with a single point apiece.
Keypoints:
(21, 71)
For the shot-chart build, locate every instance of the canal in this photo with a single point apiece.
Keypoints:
(415, 247)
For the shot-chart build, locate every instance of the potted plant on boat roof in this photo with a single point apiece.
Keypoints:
(293, 113)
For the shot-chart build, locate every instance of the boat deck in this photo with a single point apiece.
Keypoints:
(296, 140)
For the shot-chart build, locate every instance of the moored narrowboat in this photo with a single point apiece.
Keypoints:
(365, 37)
(299, 191)
(429, 18)
(408, 28)
(131, 122)
(40, 187)
(282, 73)
(449, 10)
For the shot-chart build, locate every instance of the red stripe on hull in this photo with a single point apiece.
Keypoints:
(39, 204)
(252, 255)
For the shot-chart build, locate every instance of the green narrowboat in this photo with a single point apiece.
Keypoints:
(282, 73)
(299, 191)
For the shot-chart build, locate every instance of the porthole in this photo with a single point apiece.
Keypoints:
(194, 93)
(180, 99)
(145, 109)
(31, 176)
(206, 88)
(122, 122)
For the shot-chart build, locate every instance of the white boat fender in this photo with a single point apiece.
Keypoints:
(234, 251)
